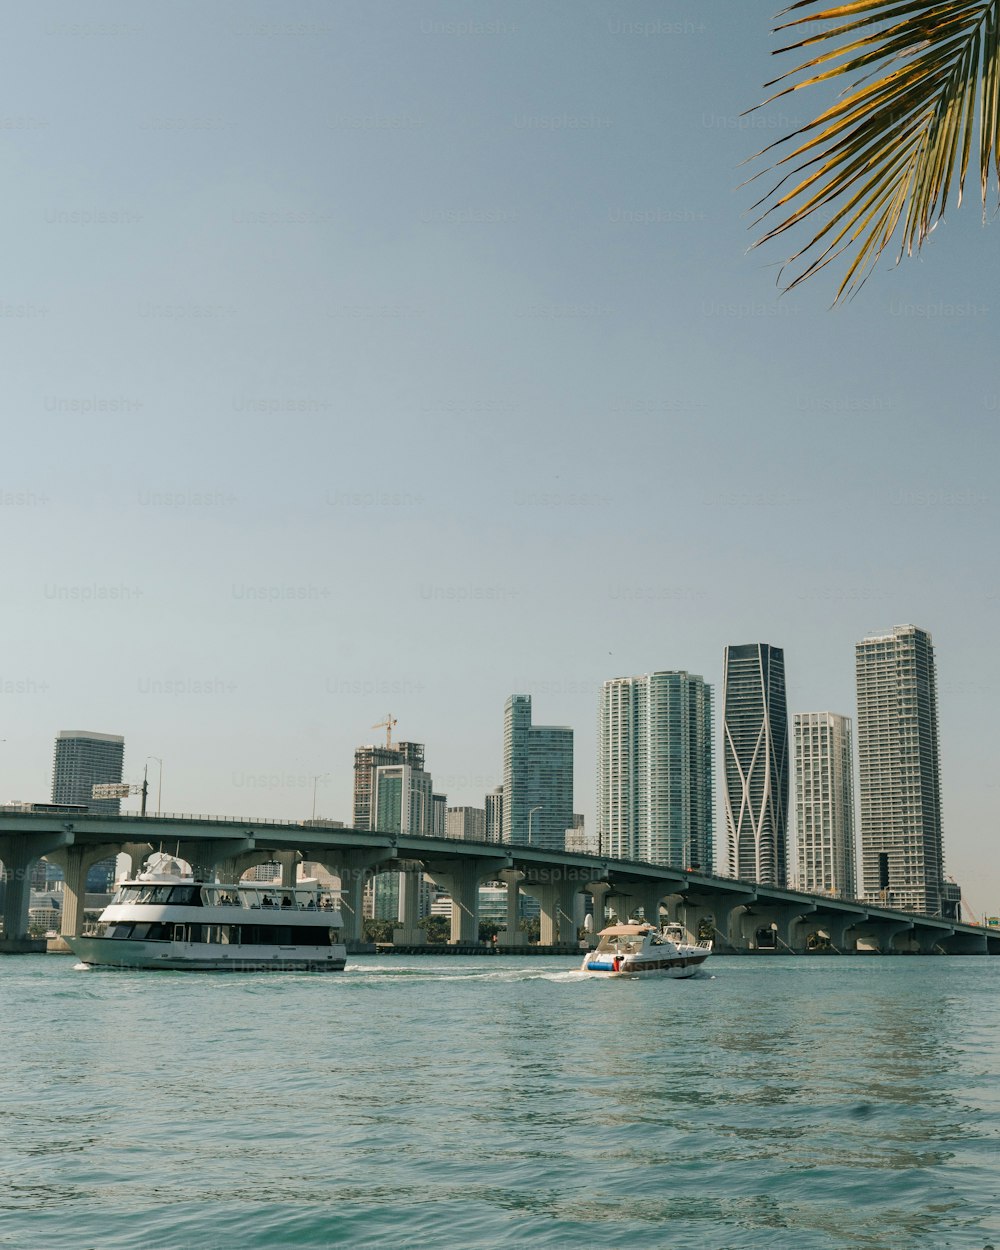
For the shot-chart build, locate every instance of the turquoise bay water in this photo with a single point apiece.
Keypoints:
(792, 1104)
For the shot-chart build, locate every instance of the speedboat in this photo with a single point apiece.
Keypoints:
(644, 950)
(164, 918)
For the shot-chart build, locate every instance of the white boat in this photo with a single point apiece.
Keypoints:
(626, 950)
(166, 919)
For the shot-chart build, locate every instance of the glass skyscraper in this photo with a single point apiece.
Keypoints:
(755, 750)
(824, 804)
(899, 772)
(537, 779)
(655, 792)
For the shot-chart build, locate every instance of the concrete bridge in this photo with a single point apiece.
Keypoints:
(743, 917)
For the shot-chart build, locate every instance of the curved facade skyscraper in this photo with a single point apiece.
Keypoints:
(755, 752)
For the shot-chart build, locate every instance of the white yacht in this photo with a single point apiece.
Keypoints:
(645, 950)
(164, 918)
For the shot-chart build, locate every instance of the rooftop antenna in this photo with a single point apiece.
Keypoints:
(387, 725)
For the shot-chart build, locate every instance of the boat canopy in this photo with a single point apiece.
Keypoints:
(626, 930)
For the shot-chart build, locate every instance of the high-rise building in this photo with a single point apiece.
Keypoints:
(466, 822)
(392, 794)
(439, 815)
(899, 773)
(494, 815)
(366, 761)
(655, 792)
(84, 759)
(755, 750)
(402, 799)
(537, 778)
(824, 804)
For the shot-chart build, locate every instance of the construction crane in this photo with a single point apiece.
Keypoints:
(388, 724)
(964, 902)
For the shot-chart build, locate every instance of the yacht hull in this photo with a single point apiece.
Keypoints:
(676, 968)
(206, 956)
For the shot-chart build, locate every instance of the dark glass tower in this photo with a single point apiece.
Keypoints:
(755, 751)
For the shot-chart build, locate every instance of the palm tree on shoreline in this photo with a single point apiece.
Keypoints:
(880, 162)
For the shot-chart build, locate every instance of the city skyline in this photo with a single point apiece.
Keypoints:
(372, 759)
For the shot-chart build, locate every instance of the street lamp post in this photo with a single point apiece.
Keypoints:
(316, 780)
(531, 811)
(159, 779)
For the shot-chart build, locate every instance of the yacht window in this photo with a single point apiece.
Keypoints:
(152, 894)
(140, 931)
(188, 895)
(310, 935)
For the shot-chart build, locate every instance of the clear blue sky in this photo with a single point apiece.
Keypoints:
(418, 360)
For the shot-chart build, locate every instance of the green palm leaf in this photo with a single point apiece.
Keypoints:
(881, 162)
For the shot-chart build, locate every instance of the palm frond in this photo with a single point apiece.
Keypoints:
(880, 163)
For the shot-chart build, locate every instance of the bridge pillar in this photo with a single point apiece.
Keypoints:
(836, 926)
(289, 864)
(966, 944)
(232, 868)
(408, 933)
(782, 921)
(929, 941)
(599, 890)
(461, 878)
(19, 851)
(353, 868)
(795, 929)
(204, 857)
(75, 862)
(691, 916)
(880, 932)
(513, 935)
(635, 897)
(557, 901)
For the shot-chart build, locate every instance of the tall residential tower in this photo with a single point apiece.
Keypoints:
(655, 789)
(899, 773)
(755, 750)
(824, 804)
(537, 778)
